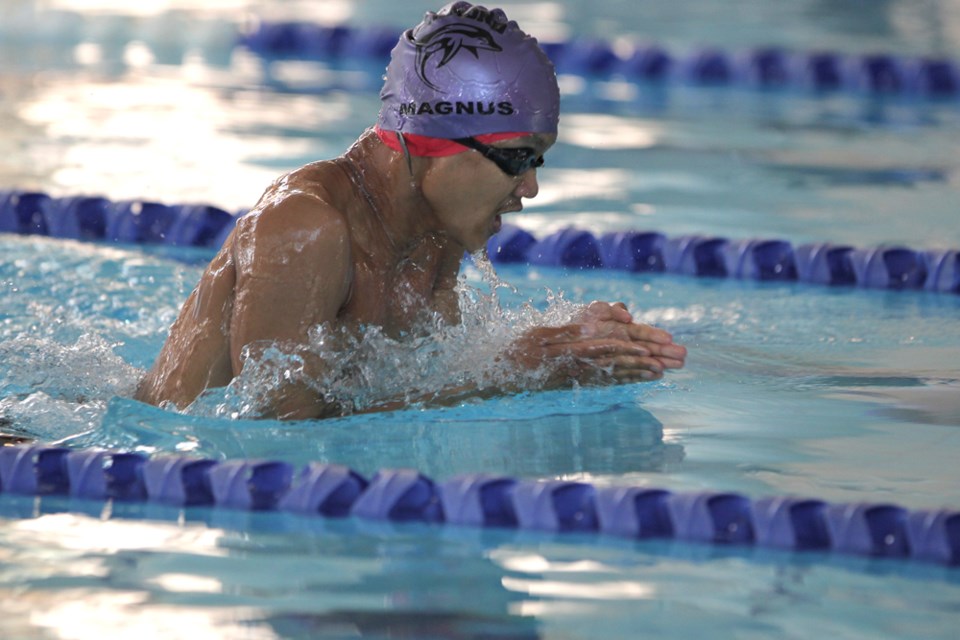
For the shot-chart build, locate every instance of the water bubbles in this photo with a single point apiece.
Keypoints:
(54, 390)
(74, 348)
(364, 369)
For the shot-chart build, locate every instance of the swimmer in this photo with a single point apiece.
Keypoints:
(469, 107)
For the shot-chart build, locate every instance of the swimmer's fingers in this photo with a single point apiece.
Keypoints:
(608, 326)
(621, 369)
(594, 349)
(633, 375)
(640, 332)
(672, 363)
(591, 329)
(579, 333)
(573, 341)
(598, 311)
(660, 344)
(622, 365)
(672, 356)
(659, 356)
(611, 359)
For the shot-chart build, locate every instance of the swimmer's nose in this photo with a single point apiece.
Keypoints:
(527, 187)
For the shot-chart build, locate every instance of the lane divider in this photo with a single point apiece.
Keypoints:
(770, 68)
(93, 218)
(479, 500)
(765, 68)
(822, 263)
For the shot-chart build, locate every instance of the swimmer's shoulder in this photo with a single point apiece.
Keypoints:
(295, 232)
(301, 202)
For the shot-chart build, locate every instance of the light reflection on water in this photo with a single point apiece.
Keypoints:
(790, 389)
(782, 381)
(243, 575)
(727, 162)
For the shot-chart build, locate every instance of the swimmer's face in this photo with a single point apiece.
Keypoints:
(470, 192)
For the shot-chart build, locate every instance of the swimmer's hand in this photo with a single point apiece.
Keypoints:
(602, 345)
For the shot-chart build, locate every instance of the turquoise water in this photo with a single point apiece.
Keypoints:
(790, 389)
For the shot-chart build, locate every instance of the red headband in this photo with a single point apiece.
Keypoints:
(427, 146)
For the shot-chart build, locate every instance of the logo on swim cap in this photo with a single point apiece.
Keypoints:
(466, 71)
(448, 41)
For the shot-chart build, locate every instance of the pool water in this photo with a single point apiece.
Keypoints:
(839, 394)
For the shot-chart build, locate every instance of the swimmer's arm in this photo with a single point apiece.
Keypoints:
(602, 346)
(293, 273)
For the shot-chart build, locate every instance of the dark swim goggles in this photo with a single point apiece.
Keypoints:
(513, 162)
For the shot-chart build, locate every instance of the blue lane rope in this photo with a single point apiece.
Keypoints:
(94, 218)
(765, 68)
(823, 263)
(405, 495)
(771, 68)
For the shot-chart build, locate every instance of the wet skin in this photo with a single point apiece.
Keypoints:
(367, 239)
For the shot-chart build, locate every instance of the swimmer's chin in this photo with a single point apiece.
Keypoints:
(498, 219)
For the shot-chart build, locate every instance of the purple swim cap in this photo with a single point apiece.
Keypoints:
(466, 71)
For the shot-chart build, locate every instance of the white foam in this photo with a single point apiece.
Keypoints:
(368, 368)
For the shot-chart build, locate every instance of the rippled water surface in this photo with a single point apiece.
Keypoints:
(790, 389)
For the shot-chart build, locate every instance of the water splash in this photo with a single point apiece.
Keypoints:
(51, 390)
(367, 370)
